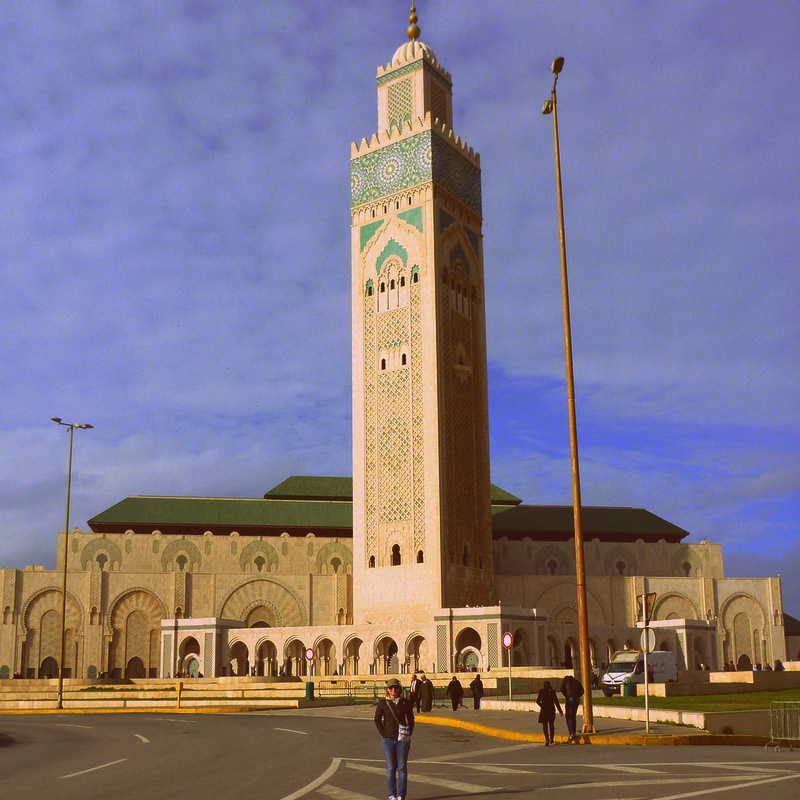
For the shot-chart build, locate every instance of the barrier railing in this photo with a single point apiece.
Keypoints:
(784, 724)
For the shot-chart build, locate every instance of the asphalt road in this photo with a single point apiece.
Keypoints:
(330, 754)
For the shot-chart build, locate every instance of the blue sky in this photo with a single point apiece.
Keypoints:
(174, 232)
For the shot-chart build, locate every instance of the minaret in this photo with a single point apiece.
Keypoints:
(421, 499)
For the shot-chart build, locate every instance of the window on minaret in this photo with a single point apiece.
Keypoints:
(420, 557)
(403, 359)
(372, 562)
(465, 558)
(396, 555)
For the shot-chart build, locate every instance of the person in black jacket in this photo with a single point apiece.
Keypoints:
(572, 690)
(477, 692)
(394, 719)
(455, 691)
(547, 700)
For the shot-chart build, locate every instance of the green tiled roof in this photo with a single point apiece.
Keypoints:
(559, 520)
(228, 513)
(318, 487)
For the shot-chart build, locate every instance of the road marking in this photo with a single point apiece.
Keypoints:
(316, 782)
(69, 725)
(494, 768)
(94, 769)
(143, 738)
(476, 753)
(342, 794)
(289, 730)
(632, 770)
(458, 786)
(726, 788)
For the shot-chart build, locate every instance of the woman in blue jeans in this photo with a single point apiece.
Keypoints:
(394, 719)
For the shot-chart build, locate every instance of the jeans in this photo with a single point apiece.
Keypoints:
(570, 711)
(396, 766)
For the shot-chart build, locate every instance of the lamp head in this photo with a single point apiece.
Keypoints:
(56, 419)
(557, 65)
(86, 426)
(547, 108)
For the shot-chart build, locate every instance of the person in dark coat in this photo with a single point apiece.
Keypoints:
(425, 693)
(547, 700)
(572, 689)
(394, 719)
(477, 692)
(455, 691)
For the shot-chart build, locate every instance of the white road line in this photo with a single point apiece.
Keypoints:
(70, 725)
(726, 788)
(316, 782)
(475, 753)
(143, 738)
(631, 770)
(93, 769)
(494, 768)
(458, 786)
(289, 730)
(343, 794)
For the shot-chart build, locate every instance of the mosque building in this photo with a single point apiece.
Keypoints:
(418, 561)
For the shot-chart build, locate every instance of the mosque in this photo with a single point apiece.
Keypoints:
(418, 561)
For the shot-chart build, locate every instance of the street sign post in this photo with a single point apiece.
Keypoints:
(508, 641)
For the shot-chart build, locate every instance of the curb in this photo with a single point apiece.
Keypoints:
(626, 740)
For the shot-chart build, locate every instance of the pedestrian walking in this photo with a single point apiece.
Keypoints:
(572, 690)
(547, 700)
(413, 691)
(455, 691)
(477, 692)
(394, 719)
(425, 692)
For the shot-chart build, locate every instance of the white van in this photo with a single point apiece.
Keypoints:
(630, 664)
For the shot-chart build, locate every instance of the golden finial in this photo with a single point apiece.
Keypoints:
(413, 28)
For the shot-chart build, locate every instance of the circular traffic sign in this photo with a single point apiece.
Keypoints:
(508, 640)
(310, 653)
(648, 640)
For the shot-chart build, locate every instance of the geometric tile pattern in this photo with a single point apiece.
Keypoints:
(411, 162)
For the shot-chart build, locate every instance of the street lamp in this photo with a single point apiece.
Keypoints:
(580, 570)
(71, 426)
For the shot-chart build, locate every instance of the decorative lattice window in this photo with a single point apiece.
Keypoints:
(401, 104)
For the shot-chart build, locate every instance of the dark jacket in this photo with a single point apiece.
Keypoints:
(547, 700)
(385, 720)
(571, 687)
(455, 691)
(477, 687)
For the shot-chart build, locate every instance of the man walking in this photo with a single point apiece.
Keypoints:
(477, 692)
(572, 690)
(413, 692)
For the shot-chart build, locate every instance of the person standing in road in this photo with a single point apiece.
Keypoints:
(394, 719)
(477, 692)
(547, 700)
(455, 691)
(425, 693)
(572, 690)
(413, 691)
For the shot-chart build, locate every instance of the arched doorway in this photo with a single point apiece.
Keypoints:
(468, 647)
(267, 659)
(296, 663)
(414, 653)
(352, 655)
(192, 667)
(48, 668)
(135, 668)
(325, 657)
(189, 649)
(386, 660)
(239, 660)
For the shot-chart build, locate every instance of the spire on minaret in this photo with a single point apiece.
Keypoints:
(413, 28)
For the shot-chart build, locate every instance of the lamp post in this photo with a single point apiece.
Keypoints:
(71, 427)
(583, 623)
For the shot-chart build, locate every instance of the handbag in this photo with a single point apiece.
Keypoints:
(403, 731)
